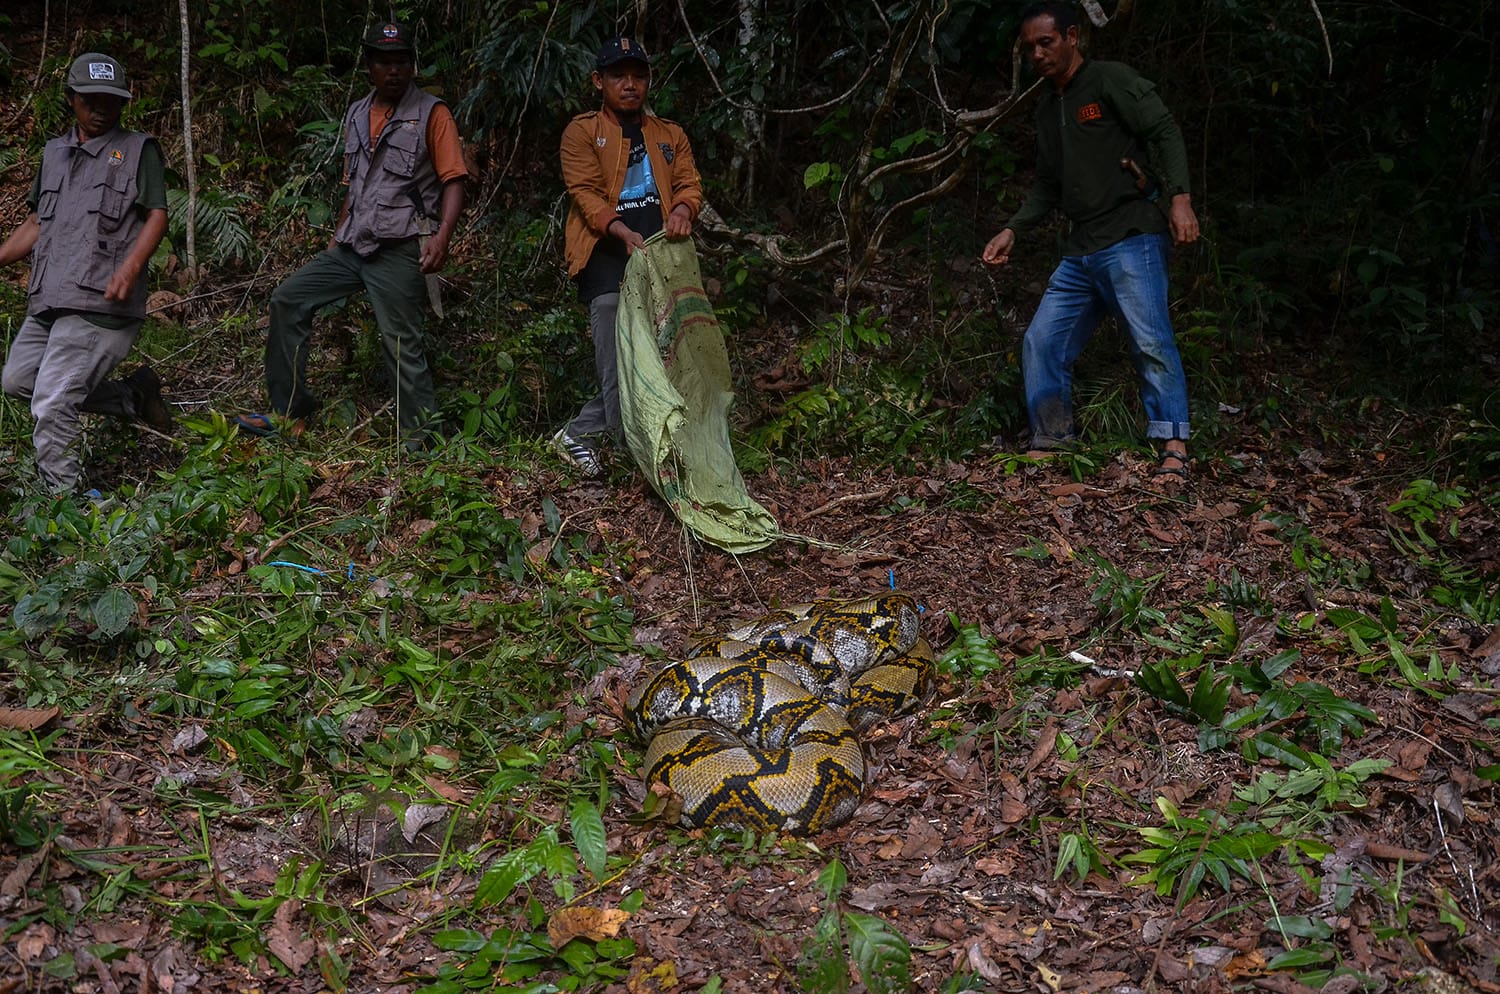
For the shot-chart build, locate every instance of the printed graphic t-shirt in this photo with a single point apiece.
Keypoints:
(639, 208)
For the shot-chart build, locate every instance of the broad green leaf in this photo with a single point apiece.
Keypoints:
(506, 874)
(1279, 663)
(1210, 696)
(1307, 956)
(113, 611)
(589, 836)
(1067, 853)
(880, 952)
(462, 940)
(832, 880)
(1409, 670)
(1224, 621)
(256, 739)
(1275, 747)
(1302, 926)
(1160, 681)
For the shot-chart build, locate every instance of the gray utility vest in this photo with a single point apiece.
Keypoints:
(88, 223)
(394, 193)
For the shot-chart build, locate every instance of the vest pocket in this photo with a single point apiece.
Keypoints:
(395, 217)
(38, 273)
(46, 201)
(103, 261)
(116, 197)
(400, 140)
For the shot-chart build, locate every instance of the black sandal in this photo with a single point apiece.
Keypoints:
(1180, 470)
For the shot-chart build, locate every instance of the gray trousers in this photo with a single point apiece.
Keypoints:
(397, 292)
(61, 368)
(601, 416)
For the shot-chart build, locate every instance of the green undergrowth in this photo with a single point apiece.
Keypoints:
(326, 636)
(334, 632)
(1276, 725)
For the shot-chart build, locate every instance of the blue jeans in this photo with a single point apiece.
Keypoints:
(1129, 280)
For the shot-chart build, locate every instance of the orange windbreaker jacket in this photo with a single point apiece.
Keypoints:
(594, 158)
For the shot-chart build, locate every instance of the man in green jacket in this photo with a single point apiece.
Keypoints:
(1097, 124)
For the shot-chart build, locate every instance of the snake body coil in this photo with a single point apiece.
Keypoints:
(757, 728)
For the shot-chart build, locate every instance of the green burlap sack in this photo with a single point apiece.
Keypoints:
(675, 398)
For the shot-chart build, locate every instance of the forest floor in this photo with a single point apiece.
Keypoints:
(1007, 824)
(957, 844)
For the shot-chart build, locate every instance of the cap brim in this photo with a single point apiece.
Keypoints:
(606, 63)
(101, 88)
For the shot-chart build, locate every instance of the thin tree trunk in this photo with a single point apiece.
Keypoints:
(754, 121)
(187, 148)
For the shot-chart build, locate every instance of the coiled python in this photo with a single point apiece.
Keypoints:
(757, 728)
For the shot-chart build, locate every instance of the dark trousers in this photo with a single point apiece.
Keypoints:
(398, 293)
(600, 417)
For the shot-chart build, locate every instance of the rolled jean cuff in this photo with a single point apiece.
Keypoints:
(1167, 429)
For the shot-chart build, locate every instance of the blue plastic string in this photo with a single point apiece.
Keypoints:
(306, 569)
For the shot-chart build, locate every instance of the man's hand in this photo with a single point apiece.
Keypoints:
(633, 239)
(1182, 220)
(997, 252)
(122, 283)
(679, 223)
(434, 252)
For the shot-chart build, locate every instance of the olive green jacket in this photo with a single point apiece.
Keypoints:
(1106, 113)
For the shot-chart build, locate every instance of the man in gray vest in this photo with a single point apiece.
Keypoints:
(98, 211)
(404, 169)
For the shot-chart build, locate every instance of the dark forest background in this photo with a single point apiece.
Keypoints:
(857, 157)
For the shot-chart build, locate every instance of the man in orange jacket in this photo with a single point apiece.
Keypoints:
(629, 175)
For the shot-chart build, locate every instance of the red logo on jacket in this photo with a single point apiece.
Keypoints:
(1090, 112)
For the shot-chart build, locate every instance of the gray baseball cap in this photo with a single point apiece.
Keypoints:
(95, 72)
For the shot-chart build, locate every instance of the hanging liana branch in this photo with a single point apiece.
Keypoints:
(866, 223)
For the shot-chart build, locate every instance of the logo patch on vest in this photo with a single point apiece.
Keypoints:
(101, 70)
(601, 141)
(116, 157)
(1090, 112)
(666, 152)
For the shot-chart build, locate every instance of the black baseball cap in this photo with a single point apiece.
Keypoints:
(95, 72)
(389, 36)
(621, 49)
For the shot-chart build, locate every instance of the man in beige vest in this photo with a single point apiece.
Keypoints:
(98, 211)
(404, 169)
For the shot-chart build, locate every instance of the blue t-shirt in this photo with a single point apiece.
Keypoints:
(639, 207)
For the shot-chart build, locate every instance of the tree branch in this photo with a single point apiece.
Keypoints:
(1323, 27)
(742, 105)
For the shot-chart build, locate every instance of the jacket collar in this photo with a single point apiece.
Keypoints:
(94, 146)
(610, 116)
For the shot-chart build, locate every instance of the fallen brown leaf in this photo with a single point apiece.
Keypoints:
(27, 719)
(593, 924)
(285, 940)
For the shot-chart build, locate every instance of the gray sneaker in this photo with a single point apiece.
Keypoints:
(576, 453)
